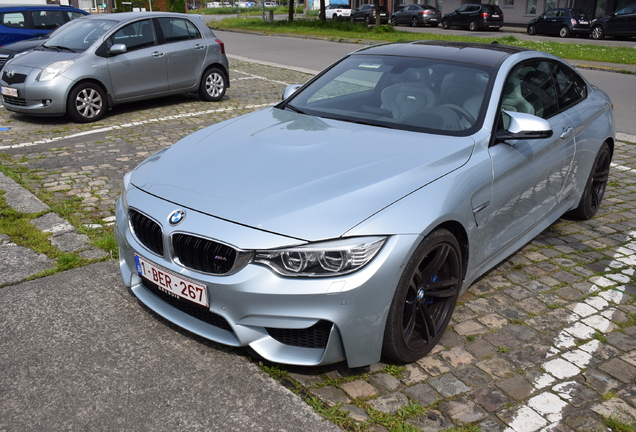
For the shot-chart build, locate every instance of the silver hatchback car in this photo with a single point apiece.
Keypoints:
(100, 61)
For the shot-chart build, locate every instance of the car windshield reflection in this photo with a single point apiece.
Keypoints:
(398, 92)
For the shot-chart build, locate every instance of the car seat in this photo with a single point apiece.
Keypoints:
(408, 96)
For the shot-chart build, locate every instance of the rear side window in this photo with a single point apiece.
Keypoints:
(71, 15)
(570, 87)
(47, 19)
(14, 20)
(176, 29)
(579, 14)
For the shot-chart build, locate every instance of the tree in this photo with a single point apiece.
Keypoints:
(292, 5)
(376, 5)
(323, 12)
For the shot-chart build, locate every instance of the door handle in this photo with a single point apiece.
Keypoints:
(199, 46)
(158, 54)
(566, 132)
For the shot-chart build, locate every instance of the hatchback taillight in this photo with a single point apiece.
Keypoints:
(573, 21)
(485, 14)
(221, 44)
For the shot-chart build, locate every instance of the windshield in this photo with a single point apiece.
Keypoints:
(79, 34)
(405, 93)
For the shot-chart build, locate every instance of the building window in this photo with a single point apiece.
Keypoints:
(509, 3)
(550, 4)
(531, 8)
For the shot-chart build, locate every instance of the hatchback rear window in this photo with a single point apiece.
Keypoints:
(493, 10)
(578, 13)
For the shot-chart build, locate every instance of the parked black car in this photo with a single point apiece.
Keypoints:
(417, 15)
(621, 23)
(475, 17)
(366, 13)
(9, 51)
(562, 21)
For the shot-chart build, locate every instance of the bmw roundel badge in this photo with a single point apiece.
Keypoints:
(176, 217)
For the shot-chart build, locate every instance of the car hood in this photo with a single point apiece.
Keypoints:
(40, 59)
(297, 175)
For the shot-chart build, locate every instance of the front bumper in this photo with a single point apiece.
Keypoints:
(46, 98)
(255, 307)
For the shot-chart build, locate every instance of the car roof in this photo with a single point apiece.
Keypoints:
(465, 52)
(130, 16)
(34, 6)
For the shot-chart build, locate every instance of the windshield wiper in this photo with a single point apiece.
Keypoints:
(294, 109)
(59, 48)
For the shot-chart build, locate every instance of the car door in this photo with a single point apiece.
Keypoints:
(185, 49)
(404, 16)
(141, 70)
(557, 22)
(624, 23)
(529, 176)
(543, 23)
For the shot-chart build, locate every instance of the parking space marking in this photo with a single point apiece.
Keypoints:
(133, 124)
(252, 76)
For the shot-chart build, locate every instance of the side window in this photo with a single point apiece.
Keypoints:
(137, 35)
(462, 9)
(14, 20)
(529, 88)
(71, 15)
(47, 19)
(550, 14)
(571, 88)
(177, 29)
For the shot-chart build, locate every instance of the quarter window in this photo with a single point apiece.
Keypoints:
(571, 88)
(176, 29)
(14, 20)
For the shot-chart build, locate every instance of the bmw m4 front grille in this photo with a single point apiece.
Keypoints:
(147, 231)
(203, 255)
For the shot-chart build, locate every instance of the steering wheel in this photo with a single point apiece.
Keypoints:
(468, 116)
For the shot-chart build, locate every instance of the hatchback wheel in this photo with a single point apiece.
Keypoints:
(86, 103)
(472, 26)
(414, 22)
(595, 186)
(445, 24)
(425, 298)
(532, 30)
(564, 32)
(598, 32)
(213, 85)
(394, 21)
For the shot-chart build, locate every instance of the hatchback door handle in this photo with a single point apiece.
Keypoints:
(199, 46)
(158, 54)
(567, 132)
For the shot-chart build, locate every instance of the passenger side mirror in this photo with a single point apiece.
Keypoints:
(117, 49)
(290, 90)
(523, 126)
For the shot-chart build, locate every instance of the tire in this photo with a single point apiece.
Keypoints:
(594, 187)
(598, 32)
(352, 19)
(532, 30)
(213, 85)
(414, 22)
(472, 26)
(445, 24)
(420, 311)
(394, 22)
(564, 32)
(86, 103)
(367, 20)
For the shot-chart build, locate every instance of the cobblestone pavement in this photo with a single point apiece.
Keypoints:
(544, 342)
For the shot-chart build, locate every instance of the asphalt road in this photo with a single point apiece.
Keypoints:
(313, 55)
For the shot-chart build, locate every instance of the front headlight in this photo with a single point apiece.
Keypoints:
(54, 69)
(332, 258)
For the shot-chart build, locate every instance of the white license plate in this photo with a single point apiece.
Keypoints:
(583, 22)
(8, 91)
(171, 283)
(495, 16)
(432, 19)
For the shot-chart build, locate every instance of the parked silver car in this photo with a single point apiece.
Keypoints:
(100, 61)
(344, 222)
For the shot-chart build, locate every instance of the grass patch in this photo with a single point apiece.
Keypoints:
(339, 30)
(617, 425)
(396, 371)
(463, 428)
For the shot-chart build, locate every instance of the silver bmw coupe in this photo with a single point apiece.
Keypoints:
(344, 222)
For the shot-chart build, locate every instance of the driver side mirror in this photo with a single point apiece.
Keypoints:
(290, 90)
(117, 49)
(523, 126)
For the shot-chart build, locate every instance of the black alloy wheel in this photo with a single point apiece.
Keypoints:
(598, 32)
(564, 32)
(472, 26)
(414, 22)
(425, 298)
(595, 186)
(394, 22)
(445, 24)
(532, 30)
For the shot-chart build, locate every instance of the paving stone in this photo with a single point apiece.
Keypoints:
(422, 394)
(576, 394)
(498, 368)
(522, 419)
(358, 414)
(516, 387)
(413, 374)
(491, 398)
(449, 339)
(448, 385)
(385, 383)
(600, 382)
(619, 369)
(70, 242)
(463, 411)
(621, 341)
(390, 403)
(493, 321)
(433, 366)
(472, 376)
(432, 421)
(616, 408)
(457, 356)
(481, 348)
(469, 328)
(307, 379)
(548, 405)
(359, 389)
(52, 223)
(501, 339)
(19, 198)
(628, 394)
(330, 395)
(18, 263)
